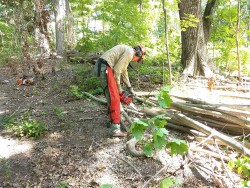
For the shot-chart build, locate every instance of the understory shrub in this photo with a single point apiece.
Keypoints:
(24, 125)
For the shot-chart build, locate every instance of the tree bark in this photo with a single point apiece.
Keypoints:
(43, 35)
(70, 27)
(60, 12)
(194, 56)
(167, 50)
(237, 30)
(206, 19)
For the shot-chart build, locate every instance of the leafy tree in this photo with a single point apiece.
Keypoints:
(223, 35)
(120, 21)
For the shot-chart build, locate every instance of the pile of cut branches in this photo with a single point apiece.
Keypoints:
(224, 122)
(221, 121)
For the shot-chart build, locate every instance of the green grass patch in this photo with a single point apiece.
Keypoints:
(85, 81)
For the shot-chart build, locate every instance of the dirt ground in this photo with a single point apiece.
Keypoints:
(77, 150)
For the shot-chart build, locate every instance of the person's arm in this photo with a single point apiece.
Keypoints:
(125, 77)
(120, 69)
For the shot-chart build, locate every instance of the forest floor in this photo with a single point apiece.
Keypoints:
(77, 151)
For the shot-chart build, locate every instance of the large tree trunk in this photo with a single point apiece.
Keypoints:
(70, 27)
(42, 33)
(60, 12)
(194, 40)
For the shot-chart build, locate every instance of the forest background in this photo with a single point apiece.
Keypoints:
(210, 34)
(183, 39)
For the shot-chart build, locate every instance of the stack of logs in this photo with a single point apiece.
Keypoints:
(222, 122)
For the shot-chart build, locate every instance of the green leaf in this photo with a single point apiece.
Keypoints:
(164, 99)
(167, 100)
(159, 142)
(161, 123)
(178, 147)
(152, 120)
(166, 183)
(161, 102)
(245, 171)
(106, 186)
(148, 149)
(161, 132)
(231, 164)
(178, 141)
(167, 88)
(137, 129)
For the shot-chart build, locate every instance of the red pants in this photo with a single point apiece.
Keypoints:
(114, 105)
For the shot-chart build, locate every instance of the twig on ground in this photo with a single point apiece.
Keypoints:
(93, 97)
(129, 164)
(203, 141)
(157, 173)
(213, 154)
(223, 163)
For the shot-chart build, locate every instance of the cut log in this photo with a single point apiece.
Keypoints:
(221, 108)
(244, 123)
(196, 101)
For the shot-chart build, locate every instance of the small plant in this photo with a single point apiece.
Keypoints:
(85, 81)
(166, 183)
(63, 184)
(5, 166)
(75, 91)
(164, 99)
(242, 166)
(58, 112)
(24, 126)
(159, 133)
(156, 126)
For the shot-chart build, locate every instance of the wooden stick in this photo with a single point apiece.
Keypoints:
(213, 154)
(223, 163)
(95, 98)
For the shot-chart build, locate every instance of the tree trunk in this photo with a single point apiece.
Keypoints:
(237, 30)
(60, 12)
(194, 41)
(70, 27)
(167, 50)
(42, 33)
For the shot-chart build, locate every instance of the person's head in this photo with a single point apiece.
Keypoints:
(139, 53)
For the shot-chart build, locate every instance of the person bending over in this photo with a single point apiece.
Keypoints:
(110, 68)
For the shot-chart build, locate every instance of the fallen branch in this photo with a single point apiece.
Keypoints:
(243, 123)
(223, 163)
(95, 98)
(145, 101)
(223, 109)
(147, 182)
(210, 153)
